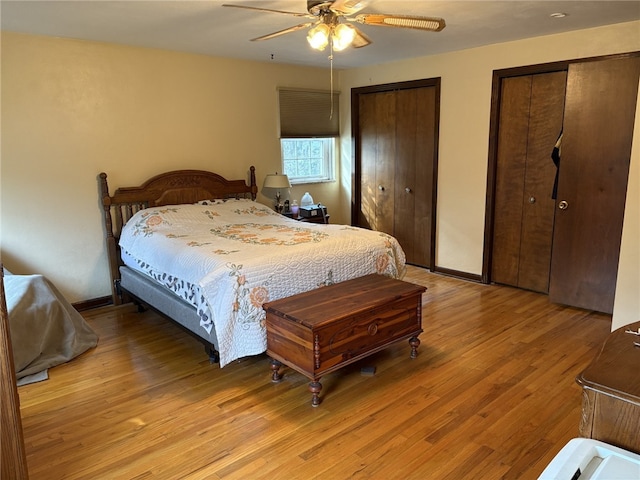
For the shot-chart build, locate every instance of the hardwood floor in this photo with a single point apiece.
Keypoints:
(491, 395)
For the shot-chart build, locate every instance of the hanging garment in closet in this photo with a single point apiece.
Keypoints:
(555, 156)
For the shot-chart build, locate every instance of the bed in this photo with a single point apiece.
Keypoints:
(199, 249)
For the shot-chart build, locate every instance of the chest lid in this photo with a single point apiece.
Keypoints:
(352, 297)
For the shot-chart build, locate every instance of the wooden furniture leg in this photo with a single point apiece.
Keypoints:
(415, 343)
(314, 388)
(276, 376)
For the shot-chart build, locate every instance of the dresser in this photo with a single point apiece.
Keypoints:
(611, 391)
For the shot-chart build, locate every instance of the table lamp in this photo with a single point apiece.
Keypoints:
(277, 182)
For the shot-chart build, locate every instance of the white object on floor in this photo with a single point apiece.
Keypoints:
(588, 459)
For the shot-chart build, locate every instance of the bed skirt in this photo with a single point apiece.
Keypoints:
(149, 292)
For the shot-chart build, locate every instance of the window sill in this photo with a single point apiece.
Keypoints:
(309, 181)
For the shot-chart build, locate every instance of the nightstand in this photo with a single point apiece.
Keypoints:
(313, 219)
(316, 219)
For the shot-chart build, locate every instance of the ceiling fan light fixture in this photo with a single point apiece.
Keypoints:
(326, 27)
(318, 36)
(342, 36)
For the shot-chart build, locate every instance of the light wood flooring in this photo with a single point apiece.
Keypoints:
(491, 395)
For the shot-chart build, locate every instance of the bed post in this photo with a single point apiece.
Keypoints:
(112, 249)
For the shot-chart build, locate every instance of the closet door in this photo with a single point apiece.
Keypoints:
(530, 121)
(510, 171)
(378, 129)
(413, 190)
(396, 137)
(594, 169)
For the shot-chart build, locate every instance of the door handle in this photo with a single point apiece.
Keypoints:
(408, 190)
(381, 188)
(563, 205)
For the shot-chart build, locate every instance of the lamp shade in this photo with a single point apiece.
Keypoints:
(342, 36)
(318, 37)
(276, 181)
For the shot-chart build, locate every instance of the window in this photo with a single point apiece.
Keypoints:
(308, 132)
(308, 160)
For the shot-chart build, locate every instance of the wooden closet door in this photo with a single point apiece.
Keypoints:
(415, 124)
(530, 122)
(378, 131)
(395, 140)
(545, 123)
(510, 172)
(594, 169)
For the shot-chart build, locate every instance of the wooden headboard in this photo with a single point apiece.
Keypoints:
(171, 188)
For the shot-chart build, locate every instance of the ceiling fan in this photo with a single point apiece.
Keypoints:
(327, 27)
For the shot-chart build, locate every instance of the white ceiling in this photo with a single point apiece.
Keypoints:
(205, 27)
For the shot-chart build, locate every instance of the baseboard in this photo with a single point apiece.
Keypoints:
(458, 274)
(93, 303)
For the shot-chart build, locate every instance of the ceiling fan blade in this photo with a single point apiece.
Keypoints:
(283, 32)
(295, 14)
(431, 24)
(360, 40)
(347, 7)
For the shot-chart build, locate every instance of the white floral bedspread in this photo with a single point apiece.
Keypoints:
(227, 258)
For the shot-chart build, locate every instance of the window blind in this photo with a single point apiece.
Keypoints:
(308, 113)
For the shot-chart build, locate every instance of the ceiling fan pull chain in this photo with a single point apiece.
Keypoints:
(331, 80)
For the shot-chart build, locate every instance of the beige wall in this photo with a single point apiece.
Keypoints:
(464, 132)
(72, 109)
(626, 308)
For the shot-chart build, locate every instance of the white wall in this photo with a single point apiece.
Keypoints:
(464, 133)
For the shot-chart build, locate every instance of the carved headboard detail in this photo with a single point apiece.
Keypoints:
(171, 188)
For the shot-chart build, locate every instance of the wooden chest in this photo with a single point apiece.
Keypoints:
(319, 331)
